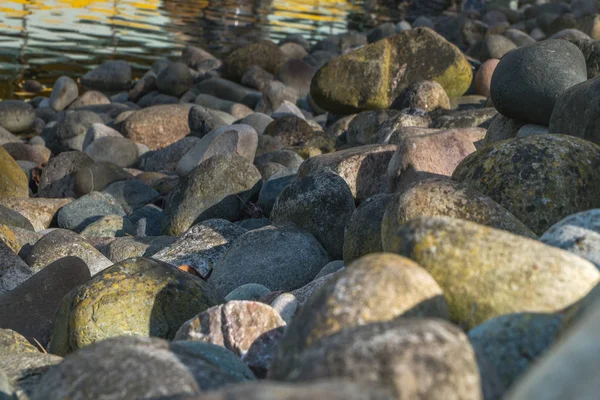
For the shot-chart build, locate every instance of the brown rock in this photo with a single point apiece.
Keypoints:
(13, 181)
(426, 95)
(483, 77)
(39, 211)
(158, 126)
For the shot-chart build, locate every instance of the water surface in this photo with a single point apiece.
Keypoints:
(44, 39)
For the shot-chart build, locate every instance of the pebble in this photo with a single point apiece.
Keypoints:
(483, 78)
(131, 194)
(16, 116)
(158, 126)
(87, 209)
(64, 92)
(175, 79)
(115, 150)
(111, 76)
(249, 292)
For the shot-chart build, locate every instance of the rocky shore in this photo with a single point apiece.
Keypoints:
(411, 212)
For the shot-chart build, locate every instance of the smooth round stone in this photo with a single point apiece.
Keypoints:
(16, 116)
(330, 268)
(158, 126)
(27, 152)
(528, 81)
(13, 271)
(64, 92)
(518, 37)
(286, 305)
(426, 95)
(258, 121)
(90, 98)
(153, 216)
(14, 219)
(24, 371)
(111, 76)
(7, 137)
(248, 291)
(109, 226)
(272, 188)
(287, 158)
(116, 150)
(39, 211)
(97, 176)
(97, 131)
(76, 123)
(87, 209)
(483, 77)
(13, 181)
(265, 54)
(254, 223)
(493, 46)
(175, 79)
(131, 194)
(403, 26)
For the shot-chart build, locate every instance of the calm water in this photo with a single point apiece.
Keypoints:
(44, 39)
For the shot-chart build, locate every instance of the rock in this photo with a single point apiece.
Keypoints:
(131, 194)
(286, 305)
(578, 234)
(13, 271)
(574, 113)
(333, 390)
(591, 52)
(16, 116)
(379, 72)
(249, 292)
(109, 226)
(518, 37)
(175, 79)
(235, 325)
(426, 95)
(278, 257)
(272, 188)
(7, 137)
(116, 150)
(7, 235)
(403, 350)
(290, 130)
(364, 168)
(87, 209)
(97, 176)
(540, 179)
(287, 158)
(451, 249)
(254, 223)
(492, 47)
(257, 78)
(502, 128)
(201, 246)
(166, 159)
(220, 187)
(138, 296)
(362, 235)
(265, 54)
(12, 342)
(13, 181)
(290, 108)
(258, 121)
(25, 370)
(13, 218)
(512, 343)
(237, 110)
(378, 126)
(330, 268)
(228, 90)
(464, 118)
(428, 156)
(40, 212)
(130, 367)
(72, 126)
(564, 371)
(90, 98)
(378, 287)
(62, 243)
(276, 94)
(158, 126)
(446, 198)
(195, 57)
(322, 204)
(27, 152)
(204, 120)
(296, 74)
(483, 78)
(111, 76)
(64, 92)
(225, 140)
(30, 307)
(382, 31)
(57, 179)
(128, 247)
(528, 81)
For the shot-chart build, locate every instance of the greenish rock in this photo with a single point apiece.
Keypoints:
(540, 179)
(278, 257)
(13, 181)
(220, 187)
(264, 54)
(446, 198)
(486, 272)
(372, 77)
(362, 235)
(512, 343)
(14, 219)
(25, 370)
(322, 204)
(137, 246)
(248, 291)
(109, 226)
(375, 288)
(138, 296)
(12, 342)
(433, 355)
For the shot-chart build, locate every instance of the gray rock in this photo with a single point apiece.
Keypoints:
(92, 98)
(131, 194)
(322, 204)
(220, 187)
(167, 158)
(153, 216)
(518, 37)
(465, 118)
(109, 226)
(248, 291)
(62, 243)
(87, 209)
(512, 343)
(201, 246)
(278, 257)
(16, 116)
(7, 137)
(254, 223)
(304, 293)
(493, 46)
(128, 247)
(203, 120)
(502, 128)
(111, 76)
(578, 233)
(72, 126)
(116, 150)
(175, 79)
(228, 139)
(272, 188)
(532, 129)
(287, 108)
(97, 131)
(194, 57)
(390, 354)
(258, 121)
(228, 90)
(527, 82)
(25, 371)
(97, 176)
(237, 110)
(13, 270)
(286, 305)
(330, 268)
(287, 158)
(257, 78)
(64, 92)
(12, 219)
(382, 31)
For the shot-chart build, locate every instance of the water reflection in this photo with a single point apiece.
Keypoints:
(44, 39)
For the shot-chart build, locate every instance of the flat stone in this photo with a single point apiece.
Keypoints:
(175, 79)
(12, 342)
(109, 226)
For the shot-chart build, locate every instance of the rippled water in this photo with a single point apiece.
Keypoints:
(44, 39)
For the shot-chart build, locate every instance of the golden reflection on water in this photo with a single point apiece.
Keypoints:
(44, 39)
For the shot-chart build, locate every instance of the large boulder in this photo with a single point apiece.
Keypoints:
(540, 179)
(138, 296)
(482, 269)
(373, 76)
(58, 177)
(13, 181)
